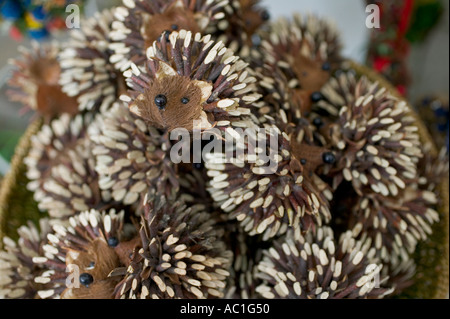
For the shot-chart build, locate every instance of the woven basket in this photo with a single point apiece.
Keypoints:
(432, 256)
(16, 202)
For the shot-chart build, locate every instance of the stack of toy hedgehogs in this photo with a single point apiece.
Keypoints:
(350, 194)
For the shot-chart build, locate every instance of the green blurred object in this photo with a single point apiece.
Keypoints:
(8, 142)
(426, 16)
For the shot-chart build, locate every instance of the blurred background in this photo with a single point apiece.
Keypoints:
(411, 49)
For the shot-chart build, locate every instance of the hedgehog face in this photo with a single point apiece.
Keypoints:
(46, 71)
(94, 266)
(187, 78)
(35, 83)
(173, 101)
(52, 101)
(175, 17)
(253, 16)
(310, 156)
(310, 74)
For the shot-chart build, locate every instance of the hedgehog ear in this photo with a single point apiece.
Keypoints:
(135, 109)
(72, 255)
(202, 123)
(165, 70)
(206, 89)
(178, 4)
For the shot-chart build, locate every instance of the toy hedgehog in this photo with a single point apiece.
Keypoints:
(182, 255)
(86, 70)
(139, 23)
(315, 267)
(188, 77)
(61, 168)
(80, 257)
(35, 82)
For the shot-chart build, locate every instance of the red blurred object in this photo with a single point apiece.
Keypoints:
(380, 64)
(15, 33)
(56, 24)
(389, 48)
(405, 18)
(402, 89)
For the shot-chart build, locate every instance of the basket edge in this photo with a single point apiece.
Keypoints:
(20, 152)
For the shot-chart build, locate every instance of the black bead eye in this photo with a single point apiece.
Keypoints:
(174, 27)
(86, 279)
(265, 15)
(326, 66)
(256, 40)
(161, 101)
(185, 100)
(91, 265)
(198, 166)
(318, 122)
(303, 161)
(328, 158)
(167, 34)
(113, 242)
(316, 97)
